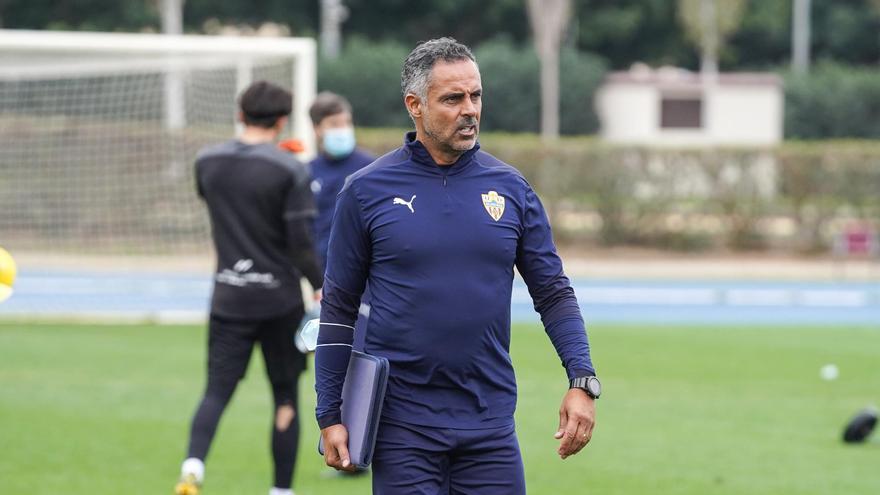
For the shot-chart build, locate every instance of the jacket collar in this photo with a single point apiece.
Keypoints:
(419, 154)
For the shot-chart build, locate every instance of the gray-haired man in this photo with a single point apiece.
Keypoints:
(436, 228)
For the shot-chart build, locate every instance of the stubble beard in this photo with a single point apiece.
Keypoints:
(448, 143)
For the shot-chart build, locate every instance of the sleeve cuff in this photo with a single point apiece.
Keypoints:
(330, 419)
(580, 372)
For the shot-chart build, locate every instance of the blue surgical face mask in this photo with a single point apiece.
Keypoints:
(339, 142)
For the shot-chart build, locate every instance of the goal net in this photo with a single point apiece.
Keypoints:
(99, 132)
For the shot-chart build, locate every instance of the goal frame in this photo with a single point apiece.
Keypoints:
(302, 51)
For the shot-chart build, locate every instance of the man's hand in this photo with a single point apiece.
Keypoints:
(577, 415)
(336, 448)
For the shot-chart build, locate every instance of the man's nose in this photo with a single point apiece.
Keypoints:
(469, 108)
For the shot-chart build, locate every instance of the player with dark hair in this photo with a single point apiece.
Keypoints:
(436, 228)
(261, 210)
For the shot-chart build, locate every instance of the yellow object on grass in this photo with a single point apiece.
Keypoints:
(7, 274)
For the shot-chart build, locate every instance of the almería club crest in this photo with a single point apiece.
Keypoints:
(494, 204)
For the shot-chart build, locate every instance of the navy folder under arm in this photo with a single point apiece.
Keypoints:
(362, 395)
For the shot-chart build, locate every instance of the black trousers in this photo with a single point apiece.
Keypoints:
(230, 344)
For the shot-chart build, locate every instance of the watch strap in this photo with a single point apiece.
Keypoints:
(582, 382)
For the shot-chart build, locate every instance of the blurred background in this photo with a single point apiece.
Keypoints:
(711, 169)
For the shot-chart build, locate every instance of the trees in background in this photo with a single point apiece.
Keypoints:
(600, 35)
(847, 99)
(621, 31)
(369, 75)
(708, 24)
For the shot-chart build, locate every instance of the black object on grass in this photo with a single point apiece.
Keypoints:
(860, 427)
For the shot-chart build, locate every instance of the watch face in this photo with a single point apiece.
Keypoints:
(594, 386)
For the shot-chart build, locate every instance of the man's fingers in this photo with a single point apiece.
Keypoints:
(584, 432)
(344, 458)
(563, 419)
(335, 458)
(582, 437)
(331, 457)
(569, 437)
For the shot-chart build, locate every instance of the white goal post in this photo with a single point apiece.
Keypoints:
(240, 50)
(99, 131)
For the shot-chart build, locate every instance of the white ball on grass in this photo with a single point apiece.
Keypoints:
(829, 372)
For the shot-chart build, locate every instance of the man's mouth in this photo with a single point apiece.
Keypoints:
(468, 130)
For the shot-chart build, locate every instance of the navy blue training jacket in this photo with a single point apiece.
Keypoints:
(438, 246)
(328, 177)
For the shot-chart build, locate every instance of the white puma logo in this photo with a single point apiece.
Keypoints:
(408, 204)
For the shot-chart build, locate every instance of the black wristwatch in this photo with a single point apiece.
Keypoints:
(589, 384)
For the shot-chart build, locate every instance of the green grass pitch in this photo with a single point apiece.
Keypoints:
(693, 410)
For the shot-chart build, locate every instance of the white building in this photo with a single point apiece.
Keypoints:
(675, 107)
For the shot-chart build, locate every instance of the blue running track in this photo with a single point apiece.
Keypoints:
(175, 297)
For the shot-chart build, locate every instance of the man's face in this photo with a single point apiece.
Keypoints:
(451, 112)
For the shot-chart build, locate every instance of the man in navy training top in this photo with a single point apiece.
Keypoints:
(261, 211)
(436, 228)
(338, 157)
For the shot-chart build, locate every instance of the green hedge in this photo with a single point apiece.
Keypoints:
(794, 198)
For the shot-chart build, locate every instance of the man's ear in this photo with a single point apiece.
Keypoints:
(413, 105)
(281, 123)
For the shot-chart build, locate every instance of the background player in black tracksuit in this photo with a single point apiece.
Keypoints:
(261, 210)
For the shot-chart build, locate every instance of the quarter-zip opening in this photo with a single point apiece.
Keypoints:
(419, 154)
